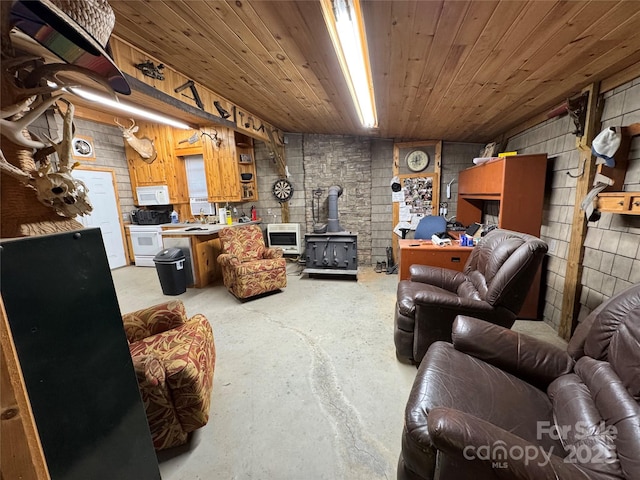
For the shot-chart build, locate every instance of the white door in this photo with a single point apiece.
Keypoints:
(105, 213)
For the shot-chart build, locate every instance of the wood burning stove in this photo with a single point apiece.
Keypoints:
(336, 251)
(332, 253)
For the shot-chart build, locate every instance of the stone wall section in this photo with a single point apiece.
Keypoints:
(345, 161)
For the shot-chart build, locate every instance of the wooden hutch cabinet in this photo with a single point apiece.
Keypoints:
(517, 184)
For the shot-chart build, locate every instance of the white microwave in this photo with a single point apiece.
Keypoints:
(153, 195)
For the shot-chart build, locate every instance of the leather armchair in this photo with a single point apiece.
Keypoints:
(493, 286)
(496, 404)
(248, 267)
(174, 359)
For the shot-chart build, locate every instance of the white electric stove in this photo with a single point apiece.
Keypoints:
(146, 242)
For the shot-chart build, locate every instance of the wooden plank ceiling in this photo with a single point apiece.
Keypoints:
(452, 70)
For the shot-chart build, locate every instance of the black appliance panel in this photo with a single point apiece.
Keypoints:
(152, 217)
(66, 324)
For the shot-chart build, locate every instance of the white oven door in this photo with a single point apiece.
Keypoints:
(146, 243)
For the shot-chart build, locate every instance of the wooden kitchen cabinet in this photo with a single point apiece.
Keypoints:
(130, 256)
(221, 166)
(141, 172)
(186, 143)
(226, 155)
(166, 169)
(176, 173)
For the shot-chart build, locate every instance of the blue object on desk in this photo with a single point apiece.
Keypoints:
(429, 225)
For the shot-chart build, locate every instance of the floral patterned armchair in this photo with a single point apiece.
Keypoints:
(174, 359)
(248, 267)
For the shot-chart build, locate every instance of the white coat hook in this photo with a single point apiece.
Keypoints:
(449, 187)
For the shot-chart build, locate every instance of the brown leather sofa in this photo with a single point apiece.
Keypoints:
(492, 286)
(496, 404)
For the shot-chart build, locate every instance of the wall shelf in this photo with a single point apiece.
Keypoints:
(625, 203)
(245, 154)
(613, 199)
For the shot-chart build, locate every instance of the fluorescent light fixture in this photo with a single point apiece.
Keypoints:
(127, 108)
(346, 29)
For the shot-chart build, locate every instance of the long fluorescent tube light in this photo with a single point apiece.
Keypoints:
(346, 29)
(127, 108)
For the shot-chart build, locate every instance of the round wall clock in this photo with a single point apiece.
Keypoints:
(282, 190)
(417, 160)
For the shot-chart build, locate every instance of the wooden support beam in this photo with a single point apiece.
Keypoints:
(167, 100)
(437, 165)
(22, 456)
(278, 152)
(572, 285)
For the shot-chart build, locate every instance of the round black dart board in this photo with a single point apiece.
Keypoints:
(282, 190)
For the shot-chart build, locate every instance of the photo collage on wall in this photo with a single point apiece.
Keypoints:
(415, 200)
(418, 195)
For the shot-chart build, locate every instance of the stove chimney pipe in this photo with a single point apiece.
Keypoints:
(333, 225)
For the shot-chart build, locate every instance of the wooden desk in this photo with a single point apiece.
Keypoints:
(423, 252)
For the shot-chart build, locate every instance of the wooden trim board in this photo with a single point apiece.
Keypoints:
(21, 454)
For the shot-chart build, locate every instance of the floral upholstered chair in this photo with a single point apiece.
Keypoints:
(248, 267)
(174, 359)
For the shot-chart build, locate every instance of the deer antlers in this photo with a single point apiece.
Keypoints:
(52, 180)
(143, 146)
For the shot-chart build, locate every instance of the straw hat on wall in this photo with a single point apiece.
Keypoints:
(77, 31)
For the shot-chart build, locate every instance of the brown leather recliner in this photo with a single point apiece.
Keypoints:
(493, 286)
(496, 404)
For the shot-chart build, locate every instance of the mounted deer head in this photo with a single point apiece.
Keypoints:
(144, 146)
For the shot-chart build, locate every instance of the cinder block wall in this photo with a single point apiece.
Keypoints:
(612, 260)
(381, 206)
(109, 154)
(612, 257)
(455, 158)
(268, 208)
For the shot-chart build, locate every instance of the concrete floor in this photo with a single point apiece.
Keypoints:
(306, 382)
